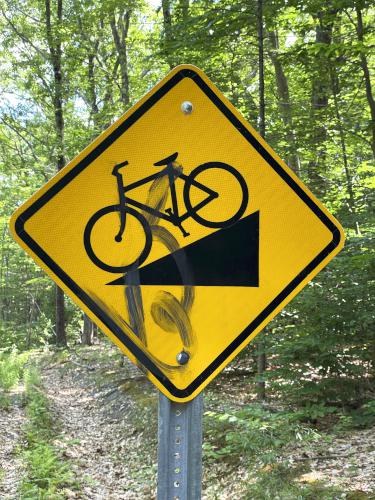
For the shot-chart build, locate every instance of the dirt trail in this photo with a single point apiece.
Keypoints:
(109, 434)
(12, 420)
(106, 428)
(100, 435)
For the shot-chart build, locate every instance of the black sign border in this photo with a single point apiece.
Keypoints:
(100, 313)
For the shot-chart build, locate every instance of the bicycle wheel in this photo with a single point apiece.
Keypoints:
(240, 201)
(105, 251)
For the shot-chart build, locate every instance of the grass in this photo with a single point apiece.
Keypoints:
(280, 482)
(4, 402)
(11, 371)
(46, 473)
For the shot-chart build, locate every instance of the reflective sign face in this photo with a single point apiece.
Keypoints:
(179, 232)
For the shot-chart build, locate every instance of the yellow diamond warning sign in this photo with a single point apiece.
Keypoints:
(179, 232)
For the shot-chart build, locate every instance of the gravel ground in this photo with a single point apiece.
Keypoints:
(11, 422)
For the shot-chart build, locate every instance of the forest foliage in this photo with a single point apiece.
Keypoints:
(72, 67)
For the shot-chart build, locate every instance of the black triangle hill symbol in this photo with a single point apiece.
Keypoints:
(229, 257)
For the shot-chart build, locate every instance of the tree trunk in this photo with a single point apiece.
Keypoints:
(348, 175)
(120, 31)
(319, 102)
(54, 46)
(60, 317)
(367, 78)
(184, 5)
(262, 104)
(91, 45)
(94, 110)
(261, 385)
(88, 331)
(168, 36)
(284, 100)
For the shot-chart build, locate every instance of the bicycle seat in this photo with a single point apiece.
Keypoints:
(167, 160)
(117, 167)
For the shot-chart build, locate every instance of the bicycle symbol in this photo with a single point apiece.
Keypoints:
(172, 172)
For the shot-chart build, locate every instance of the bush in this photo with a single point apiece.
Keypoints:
(252, 434)
(321, 347)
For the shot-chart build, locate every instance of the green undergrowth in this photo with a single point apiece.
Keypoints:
(46, 473)
(4, 401)
(11, 370)
(282, 482)
(359, 418)
(254, 433)
(262, 442)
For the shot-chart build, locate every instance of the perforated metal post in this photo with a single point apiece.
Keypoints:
(180, 449)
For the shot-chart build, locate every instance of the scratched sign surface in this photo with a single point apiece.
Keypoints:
(180, 234)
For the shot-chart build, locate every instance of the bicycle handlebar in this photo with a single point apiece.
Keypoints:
(166, 161)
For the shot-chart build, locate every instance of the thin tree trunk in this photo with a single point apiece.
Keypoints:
(168, 35)
(91, 46)
(120, 31)
(284, 100)
(54, 45)
(348, 175)
(184, 5)
(60, 317)
(319, 103)
(367, 78)
(261, 362)
(94, 110)
(262, 104)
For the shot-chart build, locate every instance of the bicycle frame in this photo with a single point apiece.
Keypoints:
(172, 215)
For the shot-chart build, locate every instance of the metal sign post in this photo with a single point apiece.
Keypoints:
(180, 449)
